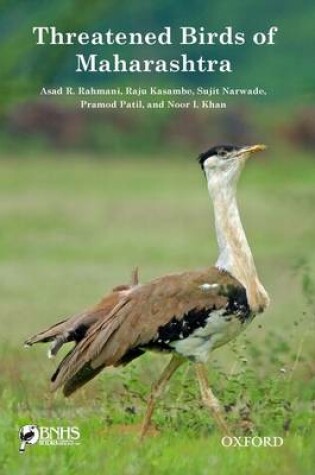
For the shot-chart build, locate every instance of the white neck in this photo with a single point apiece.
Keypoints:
(234, 252)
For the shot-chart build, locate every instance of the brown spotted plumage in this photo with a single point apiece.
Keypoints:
(138, 313)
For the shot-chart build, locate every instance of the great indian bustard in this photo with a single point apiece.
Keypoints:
(187, 314)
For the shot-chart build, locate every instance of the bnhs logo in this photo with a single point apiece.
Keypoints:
(28, 435)
(48, 435)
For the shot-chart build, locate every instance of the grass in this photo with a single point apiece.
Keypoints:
(74, 227)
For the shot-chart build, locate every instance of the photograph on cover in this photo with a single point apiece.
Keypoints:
(157, 237)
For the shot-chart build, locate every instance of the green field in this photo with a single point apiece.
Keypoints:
(73, 227)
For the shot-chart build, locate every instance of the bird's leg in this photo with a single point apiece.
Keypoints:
(209, 399)
(158, 389)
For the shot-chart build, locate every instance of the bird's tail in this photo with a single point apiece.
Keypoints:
(71, 329)
(76, 327)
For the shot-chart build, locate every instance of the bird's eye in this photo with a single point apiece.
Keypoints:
(222, 153)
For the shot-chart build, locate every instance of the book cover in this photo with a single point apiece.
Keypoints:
(166, 302)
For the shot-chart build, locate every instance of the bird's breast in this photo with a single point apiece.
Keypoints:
(218, 330)
(202, 329)
(199, 331)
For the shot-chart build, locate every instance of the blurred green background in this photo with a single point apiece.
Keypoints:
(86, 196)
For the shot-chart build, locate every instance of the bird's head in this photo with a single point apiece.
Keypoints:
(222, 164)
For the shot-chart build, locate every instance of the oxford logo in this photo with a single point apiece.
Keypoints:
(48, 435)
(256, 441)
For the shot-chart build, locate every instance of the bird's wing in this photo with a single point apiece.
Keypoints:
(138, 316)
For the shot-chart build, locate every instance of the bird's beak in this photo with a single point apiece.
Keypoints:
(251, 149)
